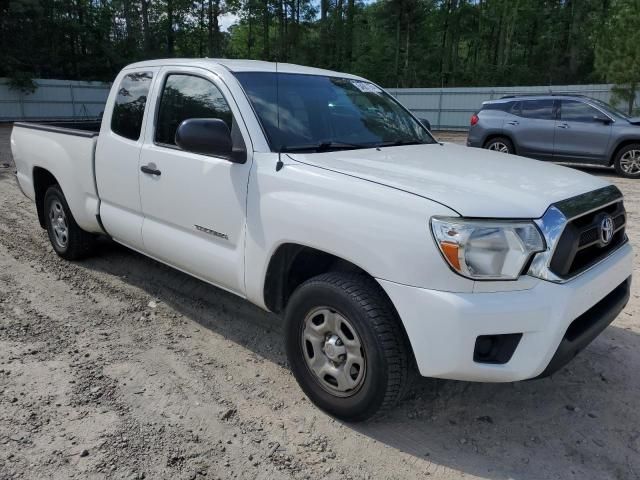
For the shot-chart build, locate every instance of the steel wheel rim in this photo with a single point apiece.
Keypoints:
(59, 224)
(630, 162)
(333, 352)
(498, 147)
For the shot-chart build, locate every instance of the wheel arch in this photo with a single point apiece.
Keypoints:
(291, 264)
(42, 180)
(619, 146)
(493, 135)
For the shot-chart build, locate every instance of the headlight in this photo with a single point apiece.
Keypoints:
(487, 249)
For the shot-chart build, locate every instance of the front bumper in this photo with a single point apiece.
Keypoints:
(443, 326)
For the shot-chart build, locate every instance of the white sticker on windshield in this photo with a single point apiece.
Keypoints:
(365, 87)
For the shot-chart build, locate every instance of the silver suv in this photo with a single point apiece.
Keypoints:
(561, 128)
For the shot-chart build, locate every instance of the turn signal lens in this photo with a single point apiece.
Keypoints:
(487, 249)
(450, 251)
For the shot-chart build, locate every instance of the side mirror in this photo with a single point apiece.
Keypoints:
(602, 119)
(208, 136)
(425, 123)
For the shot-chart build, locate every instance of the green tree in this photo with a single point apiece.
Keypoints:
(618, 52)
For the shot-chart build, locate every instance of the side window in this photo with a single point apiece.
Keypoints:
(573, 111)
(128, 110)
(502, 106)
(541, 109)
(187, 96)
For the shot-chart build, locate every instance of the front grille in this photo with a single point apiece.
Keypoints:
(581, 245)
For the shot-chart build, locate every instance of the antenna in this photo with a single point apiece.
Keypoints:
(279, 164)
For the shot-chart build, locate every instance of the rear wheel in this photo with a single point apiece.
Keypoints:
(627, 161)
(500, 144)
(67, 238)
(345, 345)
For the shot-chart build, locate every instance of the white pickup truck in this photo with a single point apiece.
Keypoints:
(315, 194)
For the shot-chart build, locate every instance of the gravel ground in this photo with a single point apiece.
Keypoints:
(120, 367)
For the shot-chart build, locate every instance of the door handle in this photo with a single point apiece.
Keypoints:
(149, 170)
(513, 122)
(563, 125)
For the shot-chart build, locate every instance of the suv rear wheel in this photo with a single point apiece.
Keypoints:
(500, 144)
(345, 345)
(627, 161)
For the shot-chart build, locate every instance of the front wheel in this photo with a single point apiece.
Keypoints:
(627, 161)
(345, 345)
(500, 144)
(67, 238)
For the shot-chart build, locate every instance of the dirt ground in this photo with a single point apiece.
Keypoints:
(120, 367)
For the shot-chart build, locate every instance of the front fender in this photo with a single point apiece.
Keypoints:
(382, 230)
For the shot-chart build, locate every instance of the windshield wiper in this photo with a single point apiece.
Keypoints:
(398, 143)
(324, 147)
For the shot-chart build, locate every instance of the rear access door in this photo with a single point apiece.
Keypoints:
(534, 128)
(118, 154)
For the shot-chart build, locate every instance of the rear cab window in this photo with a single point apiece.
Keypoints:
(131, 100)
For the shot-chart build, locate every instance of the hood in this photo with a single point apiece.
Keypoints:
(472, 181)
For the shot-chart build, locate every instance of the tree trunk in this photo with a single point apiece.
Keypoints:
(324, 32)
(145, 26)
(250, 21)
(348, 53)
(201, 31)
(397, 63)
(213, 28)
(266, 55)
(281, 31)
(443, 42)
(170, 33)
(405, 79)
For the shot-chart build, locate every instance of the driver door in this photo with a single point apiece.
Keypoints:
(582, 134)
(194, 205)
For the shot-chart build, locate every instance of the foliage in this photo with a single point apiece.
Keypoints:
(404, 43)
(618, 52)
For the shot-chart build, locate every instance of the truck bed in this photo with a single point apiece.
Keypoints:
(64, 150)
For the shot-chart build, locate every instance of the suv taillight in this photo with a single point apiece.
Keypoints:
(474, 119)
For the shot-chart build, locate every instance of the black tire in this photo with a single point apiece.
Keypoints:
(498, 144)
(627, 171)
(77, 243)
(361, 301)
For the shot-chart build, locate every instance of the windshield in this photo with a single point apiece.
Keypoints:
(319, 113)
(613, 111)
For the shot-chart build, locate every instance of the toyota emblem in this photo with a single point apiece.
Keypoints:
(606, 229)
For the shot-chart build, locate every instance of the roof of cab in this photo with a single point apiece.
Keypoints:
(239, 66)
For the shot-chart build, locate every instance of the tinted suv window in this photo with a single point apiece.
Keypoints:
(503, 106)
(128, 110)
(542, 109)
(574, 111)
(188, 96)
